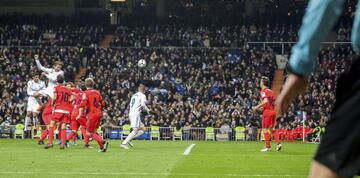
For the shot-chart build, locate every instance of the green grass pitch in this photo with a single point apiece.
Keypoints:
(24, 158)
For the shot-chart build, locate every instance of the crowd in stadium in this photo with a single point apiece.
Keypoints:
(196, 87)
(203, 36)
(35, 30)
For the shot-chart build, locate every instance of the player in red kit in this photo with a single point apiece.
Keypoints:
(94, 103)
(78, 116)
(46, 117)
(61, 105)
(268, 115)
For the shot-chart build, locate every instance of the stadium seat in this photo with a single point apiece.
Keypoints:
(209, 133)
(177, 133)
(240, 133)
(38, 132)
(19, 130)
(155, 133)
(125, 131)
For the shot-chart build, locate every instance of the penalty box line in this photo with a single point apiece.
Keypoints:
(188, 149)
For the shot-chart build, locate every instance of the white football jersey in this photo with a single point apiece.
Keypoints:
(51, 74)
(33, 87)
(138, 103)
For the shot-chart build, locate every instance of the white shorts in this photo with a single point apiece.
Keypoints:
(49, 91)
(32, 105)
(135, 121)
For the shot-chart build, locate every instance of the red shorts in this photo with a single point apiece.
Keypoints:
(75, 124)
(268, 119)
(61, 117)
(93, 121)
(47, 113)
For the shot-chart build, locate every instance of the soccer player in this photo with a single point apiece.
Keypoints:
(46, 117)
(61, 105)
(137, 106)
(94, 103)
(78, 116)
(268, 116)
(33, 104)
(51, 74)
(338, 154)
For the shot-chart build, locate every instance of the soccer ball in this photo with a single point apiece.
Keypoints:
(142, 63)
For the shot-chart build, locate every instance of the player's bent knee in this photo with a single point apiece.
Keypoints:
(52, 123)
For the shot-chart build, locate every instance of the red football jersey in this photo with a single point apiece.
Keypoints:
(78, 99)
(267, 93)
(93, 101)
(77, 102)
(63, 94)
(74, 91)
(78, 96)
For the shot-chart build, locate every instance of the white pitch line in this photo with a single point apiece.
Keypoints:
(188, 149)
(160, 174)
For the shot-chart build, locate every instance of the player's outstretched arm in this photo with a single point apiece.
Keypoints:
(317, 23)
(40, 67)
(293, 86)
(318, 20)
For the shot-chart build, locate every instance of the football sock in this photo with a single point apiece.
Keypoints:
(51, 135)
(129, 137)
(100, 141)
(267, 139)
(63, 136)
(140, 132)
(44, 133)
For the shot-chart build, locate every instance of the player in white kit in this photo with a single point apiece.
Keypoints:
(137, 107)
(51, 74)
(33, 86)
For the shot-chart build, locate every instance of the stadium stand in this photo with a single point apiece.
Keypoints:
(201, 86)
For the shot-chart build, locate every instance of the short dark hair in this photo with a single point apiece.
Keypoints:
(265, 80)
(34, 74)
(60, 79)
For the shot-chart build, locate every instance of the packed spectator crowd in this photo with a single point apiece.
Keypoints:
(35, 30)
(187, 87)
(203, 36)
(233, 36)
(34, 35)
